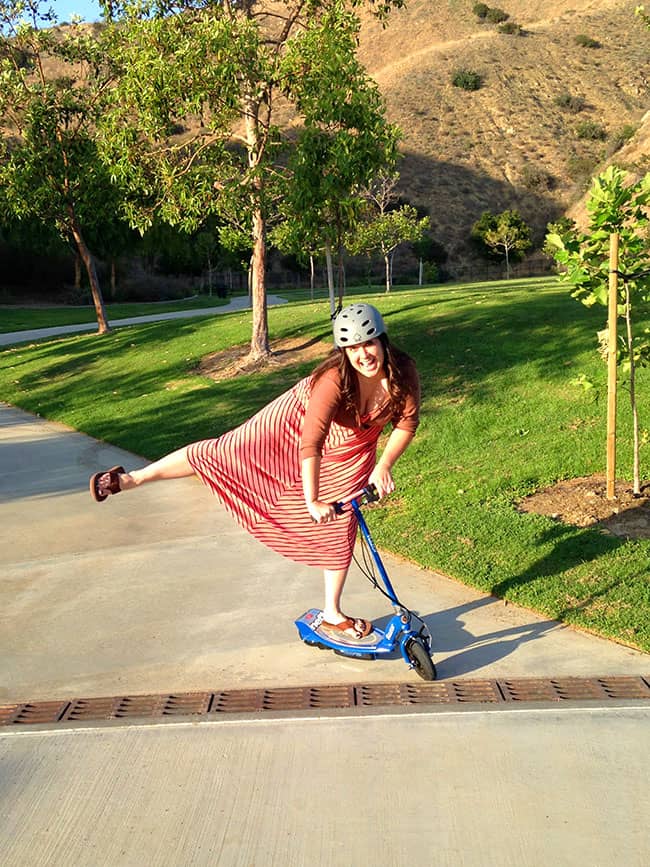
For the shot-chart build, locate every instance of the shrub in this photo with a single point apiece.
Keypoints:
(586, 41)
(496, 16)
(580, 168)
(536, 178)
(574, 104)
(591, 131)
(481, 10)
(621, 137)
(511, 29)
(467, 79)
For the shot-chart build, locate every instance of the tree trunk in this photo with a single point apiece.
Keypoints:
(260, 334)
(420, 272)
(612, 384)
(330, 277)
(77, 271)
(312, 275)
(341, 276)
(113, 278)
(89, 262)
(255, 148)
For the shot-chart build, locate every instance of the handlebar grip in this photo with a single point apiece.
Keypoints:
(370, 493)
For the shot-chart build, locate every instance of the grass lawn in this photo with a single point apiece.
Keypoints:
(24, 318)
(501, 418)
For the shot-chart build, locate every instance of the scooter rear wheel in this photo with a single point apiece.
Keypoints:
(420, 660)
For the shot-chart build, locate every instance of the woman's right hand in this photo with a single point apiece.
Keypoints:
(321, 513)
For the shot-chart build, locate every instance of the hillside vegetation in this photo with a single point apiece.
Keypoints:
(510, 144)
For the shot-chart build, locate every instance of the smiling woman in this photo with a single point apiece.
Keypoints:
(280, 473)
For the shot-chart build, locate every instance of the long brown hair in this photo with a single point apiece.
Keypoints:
(395, 364)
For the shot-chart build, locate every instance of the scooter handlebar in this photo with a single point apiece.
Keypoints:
(368, 494)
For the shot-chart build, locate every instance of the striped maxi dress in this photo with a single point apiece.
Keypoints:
(255, 472)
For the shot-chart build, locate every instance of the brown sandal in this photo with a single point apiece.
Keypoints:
(351, 623)
(113, 486)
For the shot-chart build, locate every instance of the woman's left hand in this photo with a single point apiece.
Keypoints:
(382, 479)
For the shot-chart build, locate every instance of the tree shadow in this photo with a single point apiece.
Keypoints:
(572, 546)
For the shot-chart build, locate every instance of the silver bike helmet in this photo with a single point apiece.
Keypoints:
(357, 323)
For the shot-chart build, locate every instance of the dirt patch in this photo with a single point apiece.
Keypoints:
(582, 502)
(236, 361)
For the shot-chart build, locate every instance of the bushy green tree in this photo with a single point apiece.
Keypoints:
(505, 234)
(227, 65)
(341, 146)
(49, 163)
(385, 227)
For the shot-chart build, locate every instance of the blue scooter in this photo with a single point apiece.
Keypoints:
(415, 646)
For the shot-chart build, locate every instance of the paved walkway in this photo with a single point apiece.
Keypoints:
(238, 303)
(158, 591)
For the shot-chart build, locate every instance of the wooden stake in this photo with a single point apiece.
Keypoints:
(611, 366)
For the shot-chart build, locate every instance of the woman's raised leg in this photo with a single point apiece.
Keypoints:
(173, 466)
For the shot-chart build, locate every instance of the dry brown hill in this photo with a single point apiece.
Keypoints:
(509, 144)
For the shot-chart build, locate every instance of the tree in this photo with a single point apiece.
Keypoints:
(620, 208)
(328, 168)
(192, 129)
(386, 226)
(49, 164)
(431, 253)
(505, 233)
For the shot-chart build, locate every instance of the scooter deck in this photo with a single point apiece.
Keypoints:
(311, 631)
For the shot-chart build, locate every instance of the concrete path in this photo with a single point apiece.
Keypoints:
(160, 591)
(524, 788)
(235, 304)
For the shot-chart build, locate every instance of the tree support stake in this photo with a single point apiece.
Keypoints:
(611, 366)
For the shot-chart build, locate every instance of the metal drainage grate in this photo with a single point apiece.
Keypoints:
(442, 692)
(574, 689)
(211, 704)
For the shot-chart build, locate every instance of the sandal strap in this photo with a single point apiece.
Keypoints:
(351, 623)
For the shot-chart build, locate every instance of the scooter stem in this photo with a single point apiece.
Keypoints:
(375, 553)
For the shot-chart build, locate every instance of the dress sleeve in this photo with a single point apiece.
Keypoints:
(324, 402)
(410, 416)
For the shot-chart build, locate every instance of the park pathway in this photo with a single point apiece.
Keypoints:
(239, 303)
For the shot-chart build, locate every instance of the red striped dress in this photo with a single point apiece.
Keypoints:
(255, 471)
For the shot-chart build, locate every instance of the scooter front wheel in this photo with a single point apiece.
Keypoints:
(419, 658)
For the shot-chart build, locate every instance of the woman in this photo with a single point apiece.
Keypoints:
(280, 472)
